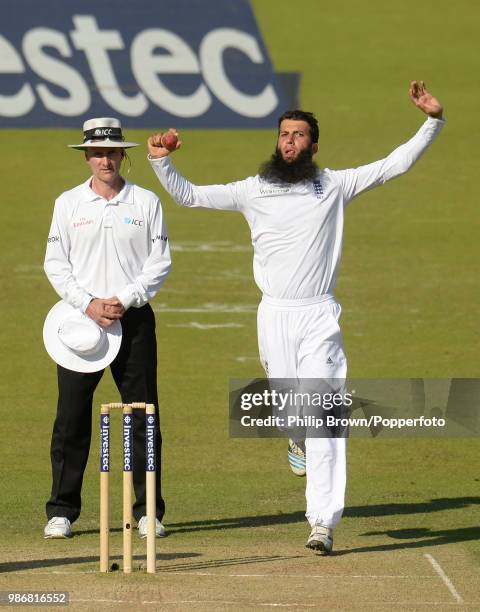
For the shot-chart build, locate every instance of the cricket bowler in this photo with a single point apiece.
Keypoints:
(295, 211)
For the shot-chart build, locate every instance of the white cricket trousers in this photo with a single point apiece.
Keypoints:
(302, 339)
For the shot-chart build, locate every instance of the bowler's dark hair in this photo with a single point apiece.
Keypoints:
(299, 115)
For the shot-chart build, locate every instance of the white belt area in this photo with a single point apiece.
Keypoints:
(281, 304)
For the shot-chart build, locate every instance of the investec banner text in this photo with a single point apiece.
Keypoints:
(188, 63)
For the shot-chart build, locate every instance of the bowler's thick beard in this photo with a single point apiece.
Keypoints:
(277, 169)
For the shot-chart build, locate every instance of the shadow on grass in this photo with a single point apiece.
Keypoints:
(31, 564)
(420, 538)
(266, 520)
(433, 505)
(18, 566)
(83, 532)
(238, 522)
(213, 563)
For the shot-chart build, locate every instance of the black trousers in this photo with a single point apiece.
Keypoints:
(134, 371)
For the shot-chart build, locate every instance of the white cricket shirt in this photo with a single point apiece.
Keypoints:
(99, 248)
(296, 229)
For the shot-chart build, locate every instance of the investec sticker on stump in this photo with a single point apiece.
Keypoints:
(150, 435)
(127, 442)
(104, 443)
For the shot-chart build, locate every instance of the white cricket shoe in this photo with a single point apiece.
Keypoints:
(57, 527)
(297, 457)
(142, 528)
(321, 539)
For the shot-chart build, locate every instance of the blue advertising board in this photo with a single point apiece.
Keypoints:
(186, 63)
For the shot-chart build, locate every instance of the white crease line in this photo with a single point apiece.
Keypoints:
(256, 603)
(172, 290)
(117, 601)
(446, 580)
(413, 604)
(224, 246)
(207, 326)
(281, 576)
(193, 601)
(153, 602)
(210, 309)
(296, 576)
(59, 572)
(304, 605)
(225, 278)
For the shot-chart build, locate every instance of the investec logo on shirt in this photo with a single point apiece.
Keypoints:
(176, 62)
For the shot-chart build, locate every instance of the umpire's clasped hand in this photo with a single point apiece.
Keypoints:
(105, 311)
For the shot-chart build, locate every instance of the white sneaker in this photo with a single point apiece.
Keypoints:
(321, 539)
(57, 527)
(142, 528)
(297, 457)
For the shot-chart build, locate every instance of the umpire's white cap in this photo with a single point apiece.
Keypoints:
(76, 342)
(103, 132)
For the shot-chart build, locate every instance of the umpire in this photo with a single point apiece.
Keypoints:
(107, 256)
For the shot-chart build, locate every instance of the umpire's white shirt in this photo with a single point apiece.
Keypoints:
(99, 248)
(297, 229)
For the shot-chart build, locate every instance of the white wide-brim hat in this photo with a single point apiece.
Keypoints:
(103, 132)
(76, 342)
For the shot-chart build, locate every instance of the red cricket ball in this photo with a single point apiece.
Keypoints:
(169, 141)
